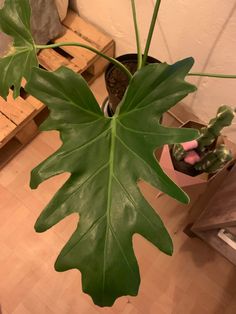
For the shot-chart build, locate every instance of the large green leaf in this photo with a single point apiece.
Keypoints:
(21, 57)
(106, 158)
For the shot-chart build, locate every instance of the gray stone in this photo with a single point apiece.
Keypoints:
(45, 21)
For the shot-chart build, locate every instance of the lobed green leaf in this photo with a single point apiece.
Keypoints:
(106, 158)
(17, 62)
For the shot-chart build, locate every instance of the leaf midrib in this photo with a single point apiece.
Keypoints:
(83, 146)
(109, 191)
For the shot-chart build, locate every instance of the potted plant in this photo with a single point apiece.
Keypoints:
(106, 156)
(200, 161)
(207, 153)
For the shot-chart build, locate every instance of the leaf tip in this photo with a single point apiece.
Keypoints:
(38, 227)
(185, 199)
(58, 266)
(33, 185)
(170, 250)
(35, 178)
(3, 95)
(191, 60)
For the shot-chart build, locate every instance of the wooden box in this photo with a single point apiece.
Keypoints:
(20, 118)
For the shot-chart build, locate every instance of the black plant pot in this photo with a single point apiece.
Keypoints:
(117, 81)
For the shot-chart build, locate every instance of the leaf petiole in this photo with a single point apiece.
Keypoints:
(139, 51)
(112, 60)
(151, 30)
(216, 75)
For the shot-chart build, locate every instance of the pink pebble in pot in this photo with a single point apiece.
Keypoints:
(190, 145)
(192, 158)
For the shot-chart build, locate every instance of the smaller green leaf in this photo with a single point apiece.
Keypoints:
(18, 61)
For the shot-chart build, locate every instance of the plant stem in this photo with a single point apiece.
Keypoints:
(112, 60)
(213, 75)
(151, 30)
(139, 52)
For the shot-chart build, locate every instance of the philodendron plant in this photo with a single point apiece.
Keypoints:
(106, 156)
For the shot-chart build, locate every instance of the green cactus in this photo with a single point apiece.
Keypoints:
(211, 160)
(214, 160)
(209, 134)
(178, 152)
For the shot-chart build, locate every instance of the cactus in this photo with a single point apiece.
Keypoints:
(209, 160)
(209, 134)
(178, 152)
(214, 160)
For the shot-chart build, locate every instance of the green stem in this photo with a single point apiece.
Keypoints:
(112, 60)
(151, 30)
(137, 35)
(213, 75)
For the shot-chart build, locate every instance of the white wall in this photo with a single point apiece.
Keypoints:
(203, 29)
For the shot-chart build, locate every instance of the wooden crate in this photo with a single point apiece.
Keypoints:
(79, 59)
(20, 118)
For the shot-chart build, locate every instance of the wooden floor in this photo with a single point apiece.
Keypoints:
(196, 280)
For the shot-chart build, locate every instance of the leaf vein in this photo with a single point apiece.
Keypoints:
(95, 173)
(99, 220)
(84, 145)
(65, 97)
(134, 204)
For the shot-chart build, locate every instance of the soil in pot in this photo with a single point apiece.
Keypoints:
(117, 81)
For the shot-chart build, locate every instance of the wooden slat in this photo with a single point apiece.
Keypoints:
(77, 52)
(16, 110)
(6, 127)
(52, 60)
(86, 30)
(20, 103)
(32, 101)
(100, 63)
(27, 132)
(37, 104)
(9, 150)
(80, 63)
